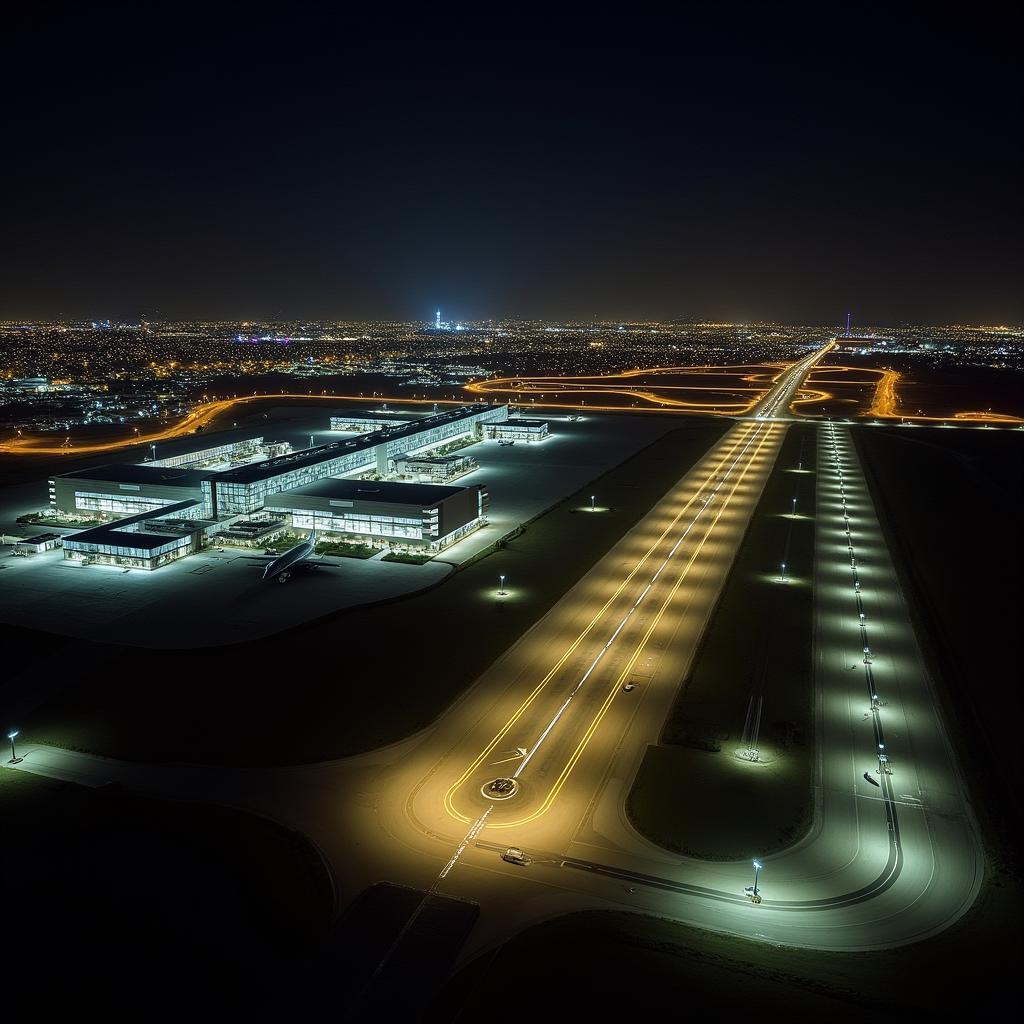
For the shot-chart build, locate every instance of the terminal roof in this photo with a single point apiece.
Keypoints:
(338, 449)
(120, 531)
(394, 493)
(127, 472)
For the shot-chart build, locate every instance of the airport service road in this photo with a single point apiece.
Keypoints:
(883, 865)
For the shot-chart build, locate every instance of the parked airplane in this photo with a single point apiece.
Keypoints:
(282, 566)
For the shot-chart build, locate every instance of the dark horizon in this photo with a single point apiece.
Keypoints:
(316, 168)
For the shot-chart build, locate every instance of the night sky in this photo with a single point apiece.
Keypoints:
(309, 166)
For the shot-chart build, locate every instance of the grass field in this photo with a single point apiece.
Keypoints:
(406, 557)
(758, 644)
(340, 684)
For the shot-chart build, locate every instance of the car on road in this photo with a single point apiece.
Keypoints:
(626, 687)
(515, 856)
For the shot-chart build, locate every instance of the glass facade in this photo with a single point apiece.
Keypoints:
(239, 496)
(127, 554)
(122, 504)
(396, 527)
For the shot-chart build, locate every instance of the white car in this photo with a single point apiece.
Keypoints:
(515, 856)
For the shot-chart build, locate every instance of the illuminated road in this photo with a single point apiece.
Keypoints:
(749, 401)
(200, 418)
(644, 387)
(882, 865)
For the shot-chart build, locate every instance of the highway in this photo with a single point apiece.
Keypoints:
(881, 866)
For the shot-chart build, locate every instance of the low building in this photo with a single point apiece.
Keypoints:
(38, 544)
(517, 430)
(143, 540)
(254, 533)
(444, 467)
(408, 515)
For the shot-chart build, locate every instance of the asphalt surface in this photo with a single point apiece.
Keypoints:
(881, 866)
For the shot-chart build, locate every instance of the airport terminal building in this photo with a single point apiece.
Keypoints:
(299, 486)
(415, 515)
(517, 430)
(247, 488)
(123, 489)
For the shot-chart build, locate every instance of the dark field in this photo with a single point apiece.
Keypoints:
(950, 505)
(758, 644)
(621, 963)
(120, 902)
(929, 386)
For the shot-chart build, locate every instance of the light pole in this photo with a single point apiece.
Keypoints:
(782, 576)
(794, 507)
(756, 896)
(592, 500)
(152, 449)
(14, 756)
(501, 585)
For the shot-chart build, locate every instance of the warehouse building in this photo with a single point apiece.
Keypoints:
(413, 515)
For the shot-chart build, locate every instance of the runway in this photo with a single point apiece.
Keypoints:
(882, 865)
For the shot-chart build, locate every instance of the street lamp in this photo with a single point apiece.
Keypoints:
(501, 585)
(782, 577)
(794, 506)
(152, 449)
(14, 756)
(756, 896)
(592, 499)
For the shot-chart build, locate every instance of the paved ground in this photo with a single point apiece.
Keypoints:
(216, 598)
(883, 865)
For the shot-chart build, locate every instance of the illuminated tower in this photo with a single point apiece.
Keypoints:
(437, 320)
